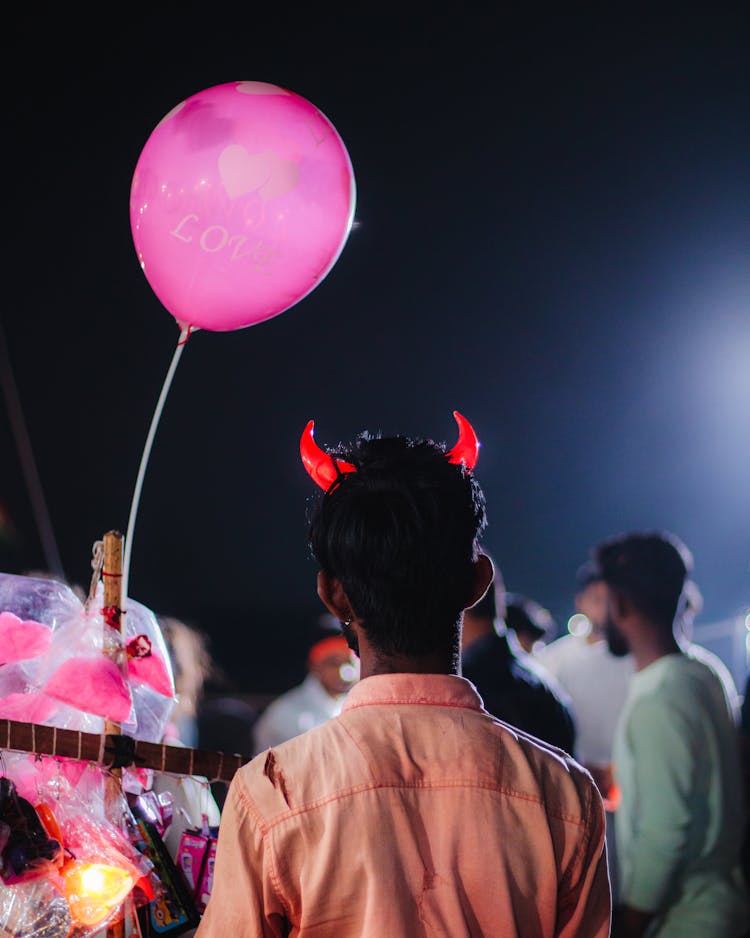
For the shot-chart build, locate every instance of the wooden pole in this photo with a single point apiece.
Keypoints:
(112, 577)
(113, 647)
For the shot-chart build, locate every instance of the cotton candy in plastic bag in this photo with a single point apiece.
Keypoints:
(29, 605)
(70, 679)
(79, 670)
(150, 674)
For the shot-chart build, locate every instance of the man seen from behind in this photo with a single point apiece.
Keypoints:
(413, 812)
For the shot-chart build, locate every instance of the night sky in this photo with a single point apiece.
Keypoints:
(552, 236)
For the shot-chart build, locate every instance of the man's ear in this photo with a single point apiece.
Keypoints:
(620, 606)
(484, 574)
(333, 597)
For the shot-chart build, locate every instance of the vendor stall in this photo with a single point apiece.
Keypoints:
(89, 791)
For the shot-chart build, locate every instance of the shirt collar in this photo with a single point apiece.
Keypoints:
(439, 690)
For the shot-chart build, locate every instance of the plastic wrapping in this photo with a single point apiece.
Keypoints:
(99, 864)
(21, 640)
(150, 676)
(41, 600)
(34, 910)
(76, 869)
(56, 670)
(78, 673)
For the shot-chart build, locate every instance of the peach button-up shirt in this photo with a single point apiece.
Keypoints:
(413, 813)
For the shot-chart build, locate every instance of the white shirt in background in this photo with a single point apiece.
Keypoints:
(298, 710)
(597, 684)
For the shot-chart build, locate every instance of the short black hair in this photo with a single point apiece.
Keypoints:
(401, 534)
(526, 615)
(650, 568)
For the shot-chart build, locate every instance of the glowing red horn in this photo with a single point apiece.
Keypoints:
(466, 450)
(322, 468)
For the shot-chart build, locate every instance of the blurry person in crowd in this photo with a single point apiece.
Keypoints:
(682, 815)
(332, 669)
(413, 812)
(597, 685)
(528, 621)
(595, 681)
(513, 686)
(225, 722)
(192, 666)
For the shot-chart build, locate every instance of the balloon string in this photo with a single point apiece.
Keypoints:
(184, 335)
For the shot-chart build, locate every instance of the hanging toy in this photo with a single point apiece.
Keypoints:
(27, 852)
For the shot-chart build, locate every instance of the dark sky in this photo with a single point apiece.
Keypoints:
(553, 237)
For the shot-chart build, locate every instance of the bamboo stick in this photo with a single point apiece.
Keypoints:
(112, 577)
(113, 647)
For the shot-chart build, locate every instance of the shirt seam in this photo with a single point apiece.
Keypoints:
(469, 705)
(266, 826)
(583, 842)
(264, 829)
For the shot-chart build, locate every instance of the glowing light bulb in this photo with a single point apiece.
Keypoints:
(94, 889)
(93, 880)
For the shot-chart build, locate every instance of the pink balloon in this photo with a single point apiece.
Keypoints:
(241, 202)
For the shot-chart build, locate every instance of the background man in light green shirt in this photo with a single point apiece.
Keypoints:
(680, 821)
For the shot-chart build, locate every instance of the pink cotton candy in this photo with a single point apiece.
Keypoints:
(152, 671)
(94, 685)
(21, 640)
(26, 708)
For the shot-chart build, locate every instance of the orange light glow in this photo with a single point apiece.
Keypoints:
(94, 889)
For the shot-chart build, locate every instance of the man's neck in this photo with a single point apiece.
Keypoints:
(373, 661)
(651, 646)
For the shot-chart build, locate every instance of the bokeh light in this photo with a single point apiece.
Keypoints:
(579, 625)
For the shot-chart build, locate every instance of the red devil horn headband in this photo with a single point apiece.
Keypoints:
(324, 470)
(466, 450)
